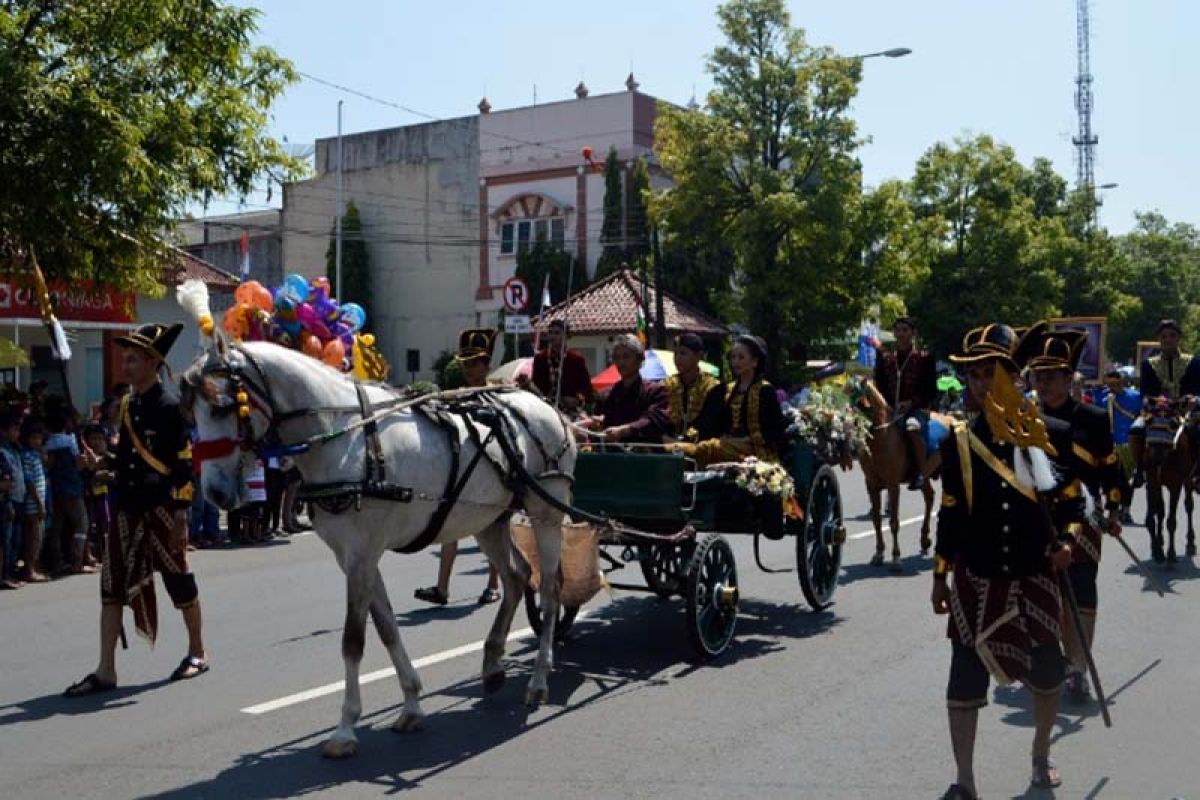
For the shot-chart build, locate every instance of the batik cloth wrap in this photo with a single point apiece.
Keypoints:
(138, 543)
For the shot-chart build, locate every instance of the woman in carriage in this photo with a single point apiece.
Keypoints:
(752, 422)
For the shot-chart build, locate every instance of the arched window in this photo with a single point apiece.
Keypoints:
(528, 219)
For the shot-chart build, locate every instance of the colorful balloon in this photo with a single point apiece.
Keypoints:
(354, 316)
(320, 284)
(236, 321)
(311, 321)
(334, 353)
(295, 287)
(254, 294)
(310, 344)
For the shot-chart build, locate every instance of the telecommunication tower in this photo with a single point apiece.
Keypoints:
(1085, 141)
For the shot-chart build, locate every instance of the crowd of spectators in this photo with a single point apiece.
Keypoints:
(57, 473)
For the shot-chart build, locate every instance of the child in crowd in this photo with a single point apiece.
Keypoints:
(33, 440)
(12, 498)
(99, 474)
(65, 545)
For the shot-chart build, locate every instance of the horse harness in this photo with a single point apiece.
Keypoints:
(476, 408)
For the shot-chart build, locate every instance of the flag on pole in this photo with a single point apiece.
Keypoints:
(643, 330)
(537, 336)
(60, 348)
(245, 244)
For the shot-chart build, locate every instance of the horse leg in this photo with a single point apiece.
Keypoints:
(547, 526)
(1188, 504)
(384, 617)
(495, 543)
(875, 492)
(1172, 522)
(360, 579)
(927, 493)
(1154, 518)
(894, 525)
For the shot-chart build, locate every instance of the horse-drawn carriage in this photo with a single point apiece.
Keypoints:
(669, 519)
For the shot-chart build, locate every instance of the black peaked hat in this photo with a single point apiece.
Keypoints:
(1168, 324)
(1042, 348)
(153, 339)
(475, 343)
(995, 342)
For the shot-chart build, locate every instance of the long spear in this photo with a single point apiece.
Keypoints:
(58, 337)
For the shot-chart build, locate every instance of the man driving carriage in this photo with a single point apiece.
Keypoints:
(907, 379)
(634, 411)
(1171, 374)
(1052, 357)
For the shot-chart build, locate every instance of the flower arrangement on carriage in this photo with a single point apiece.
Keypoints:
(829, 425)
(302, 315)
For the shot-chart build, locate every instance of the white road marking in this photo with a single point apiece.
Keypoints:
(445, 655)
(380, 674)
(871, 531)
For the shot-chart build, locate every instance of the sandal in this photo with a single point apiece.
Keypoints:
(189, 668)
(89, 685)
(431, 594)
(957, 792)
(489, 596)
(1045, 774)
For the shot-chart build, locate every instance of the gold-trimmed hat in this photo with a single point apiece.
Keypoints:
(995, 342)
(475, 343)
(154, 339)
(1042, 348)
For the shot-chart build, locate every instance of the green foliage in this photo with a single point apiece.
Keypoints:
(1163, 274)
(115, 115)
(637, 233)
(449, 371)
(533, 265)
(767, 197)
(356, 265)
(611, 229)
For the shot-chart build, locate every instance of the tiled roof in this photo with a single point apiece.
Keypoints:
(188, 266)
(609, 306)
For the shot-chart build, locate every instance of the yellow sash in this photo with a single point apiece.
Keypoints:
(999, 467)
(141, 449)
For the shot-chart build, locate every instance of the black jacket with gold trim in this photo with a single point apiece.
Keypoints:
(1096, 460)
(992, 525)
(154, 454)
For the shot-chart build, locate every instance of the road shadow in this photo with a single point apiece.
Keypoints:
(910, 566)
(55, 705)
(631, 645)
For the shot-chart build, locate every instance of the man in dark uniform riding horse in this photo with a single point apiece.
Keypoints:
(907, 379)
(1052, 358)
(1171, 374)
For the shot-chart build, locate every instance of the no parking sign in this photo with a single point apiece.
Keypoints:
(516, 295)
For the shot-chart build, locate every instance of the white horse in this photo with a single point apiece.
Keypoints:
(296, 398)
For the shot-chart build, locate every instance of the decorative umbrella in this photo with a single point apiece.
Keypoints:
(659, 364)
(509, 371)
(949, 383)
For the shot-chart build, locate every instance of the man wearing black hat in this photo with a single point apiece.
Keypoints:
(907, 379)
(474, 357)
(992, 534)
(1170, 374)
(1052, 357)
(153, 494)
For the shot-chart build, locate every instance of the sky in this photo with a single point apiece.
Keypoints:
(1002, 68)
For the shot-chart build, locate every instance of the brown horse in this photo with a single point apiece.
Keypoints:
(885, 467)
(1168, 463)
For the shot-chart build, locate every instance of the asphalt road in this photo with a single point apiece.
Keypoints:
(842, 704)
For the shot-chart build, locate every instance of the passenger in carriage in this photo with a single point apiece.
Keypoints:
(635, 411)
(696, 399)
(751, 422)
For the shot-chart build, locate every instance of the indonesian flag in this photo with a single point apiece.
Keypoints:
(643, 330)
(245, 255)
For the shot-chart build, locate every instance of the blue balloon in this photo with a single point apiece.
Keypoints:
(296, 287)
(354, 316)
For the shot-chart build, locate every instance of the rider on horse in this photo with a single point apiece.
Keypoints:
(1170, 374)
(1052, 356)
(907, 379)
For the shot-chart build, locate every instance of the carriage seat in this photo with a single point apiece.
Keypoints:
(642, 487)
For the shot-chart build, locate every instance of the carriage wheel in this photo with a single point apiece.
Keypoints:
(819, 549)
(533, 610)
(663, 567)
(712, 596)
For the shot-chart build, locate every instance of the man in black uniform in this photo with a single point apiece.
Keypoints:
(1052, 357)
(993, 534)
(153, 494)
(1171, 374)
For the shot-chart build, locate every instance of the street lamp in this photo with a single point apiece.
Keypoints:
(895, 52)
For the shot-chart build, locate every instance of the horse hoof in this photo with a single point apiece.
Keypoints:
(925, 545)
(407, 723)
(493, 683)
(535, 697)
(1171, 558)
(895, 566)
(1191, 550)
(877, 560)
(339, 748)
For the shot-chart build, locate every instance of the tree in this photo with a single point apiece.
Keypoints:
(990, 236)
(115, 116)
(769, 174)
(535, 263)
(637, 221)
(1163, 274)
(356, 264)
(612, 231)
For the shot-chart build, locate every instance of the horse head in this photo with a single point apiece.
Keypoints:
(1167, 423)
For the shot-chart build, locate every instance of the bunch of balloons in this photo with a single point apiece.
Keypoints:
(301, 315)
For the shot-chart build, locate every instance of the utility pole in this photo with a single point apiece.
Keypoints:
(337, 271)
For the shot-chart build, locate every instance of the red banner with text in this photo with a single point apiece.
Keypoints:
(82, 301)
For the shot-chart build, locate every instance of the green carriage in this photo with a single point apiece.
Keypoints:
(671, 520)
